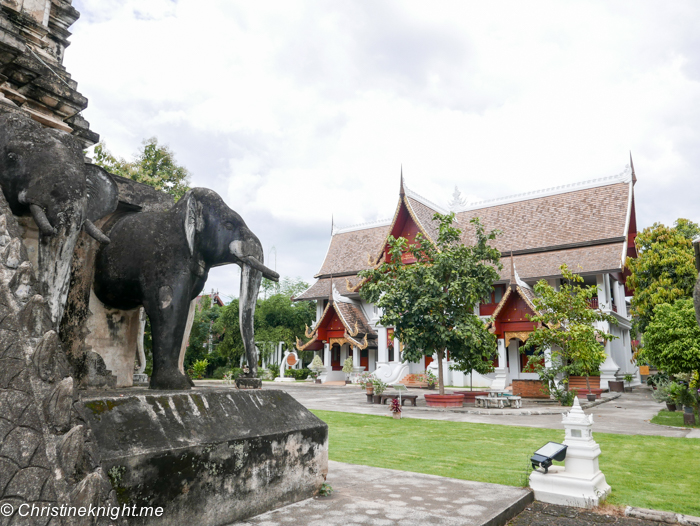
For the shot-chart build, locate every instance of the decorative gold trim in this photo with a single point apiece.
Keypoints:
(309, 334)
(518, 335)
(354, 333)
(339, 341)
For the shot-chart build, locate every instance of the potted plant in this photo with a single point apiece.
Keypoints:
(628, 380)
(379, 388)
(661, 394)
(316, 366)
(396, 408)
(347, 369)
(363, 379)
(431, 378)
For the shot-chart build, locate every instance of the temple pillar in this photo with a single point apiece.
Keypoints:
(609, 368)
(397, 351)
(501, 371)
(619, 295)
(382, 352)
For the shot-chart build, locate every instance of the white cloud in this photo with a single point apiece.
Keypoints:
(296, 111)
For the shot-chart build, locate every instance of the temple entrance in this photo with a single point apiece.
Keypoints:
(335, 358)
(364, 359)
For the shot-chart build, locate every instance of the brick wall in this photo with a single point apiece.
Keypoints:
(528, 389)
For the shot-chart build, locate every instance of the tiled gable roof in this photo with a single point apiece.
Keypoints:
(349, 252)
(581, 216)
(583, 225)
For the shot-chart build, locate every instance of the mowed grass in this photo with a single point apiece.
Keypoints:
(675, 419)
(650, 472)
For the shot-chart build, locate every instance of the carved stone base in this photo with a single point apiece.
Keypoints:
(210, 456)
(249, 383)
(140, 379)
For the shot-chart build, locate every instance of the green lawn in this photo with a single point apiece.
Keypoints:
(675, 419)
(650, 472)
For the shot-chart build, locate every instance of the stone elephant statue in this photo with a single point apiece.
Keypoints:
(43, 173)
(161, 260)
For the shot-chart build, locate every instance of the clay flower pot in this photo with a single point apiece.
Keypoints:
(446, 400)
(591, 397)
(396, 416)
(670, 407)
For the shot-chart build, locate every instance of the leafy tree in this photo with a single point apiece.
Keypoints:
(664, 270)
(277, 318)
(153, 165)
(672, 338)
(430, 303)
(566, 326)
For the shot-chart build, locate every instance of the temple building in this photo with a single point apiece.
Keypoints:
(590, 226)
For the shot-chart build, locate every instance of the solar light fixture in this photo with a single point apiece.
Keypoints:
(544, 456)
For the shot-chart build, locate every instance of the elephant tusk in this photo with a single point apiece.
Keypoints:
(254, 263)
(41, 220)
(95, 232)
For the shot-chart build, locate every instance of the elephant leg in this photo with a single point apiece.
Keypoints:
(168, 314)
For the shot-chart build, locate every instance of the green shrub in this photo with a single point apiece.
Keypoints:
(297, 374)
(199, 368)
(219, 372)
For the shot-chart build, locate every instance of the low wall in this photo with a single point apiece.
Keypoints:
(529, 389)
(208, 456)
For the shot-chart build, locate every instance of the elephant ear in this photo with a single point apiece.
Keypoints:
(193, 218)
(102, 192)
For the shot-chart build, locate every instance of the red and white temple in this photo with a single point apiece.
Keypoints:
(590, 226)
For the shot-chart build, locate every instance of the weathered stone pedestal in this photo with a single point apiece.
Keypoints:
(580, 482)
(208, 457)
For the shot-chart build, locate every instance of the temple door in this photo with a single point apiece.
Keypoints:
(364, 359)
(335, 358)
(428, 360)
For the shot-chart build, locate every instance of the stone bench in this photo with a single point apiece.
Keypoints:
(404, 397)
(498, 402)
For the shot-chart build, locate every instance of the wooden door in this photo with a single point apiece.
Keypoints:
(335, 358)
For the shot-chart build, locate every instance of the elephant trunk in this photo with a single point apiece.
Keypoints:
(41, 220)
(95, 232)
(251, 278)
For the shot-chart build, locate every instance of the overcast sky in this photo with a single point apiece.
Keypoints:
(297, 111)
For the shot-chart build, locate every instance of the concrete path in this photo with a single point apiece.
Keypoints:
(628, 415)
(382, 497)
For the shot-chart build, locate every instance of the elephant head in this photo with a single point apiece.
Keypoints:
(220, 236)
(43, 174)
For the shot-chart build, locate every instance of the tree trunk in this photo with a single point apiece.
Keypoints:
(441, 383)
(588, 385)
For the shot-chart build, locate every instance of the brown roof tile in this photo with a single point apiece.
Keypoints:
(353, 315)
(350, 251)
(574, 217)
(589, 216)
(579, 260)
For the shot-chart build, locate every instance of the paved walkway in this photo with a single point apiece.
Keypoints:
(627, 415)
(382, 497)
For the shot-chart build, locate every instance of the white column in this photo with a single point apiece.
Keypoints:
(554, 283)
(619, 295)
(609, 368)
(355, 357)
(382, 353)
(326, 355)
(603, 281)
(397, 351)
(501, 371)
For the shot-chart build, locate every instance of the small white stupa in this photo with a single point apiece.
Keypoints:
(580, 482)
